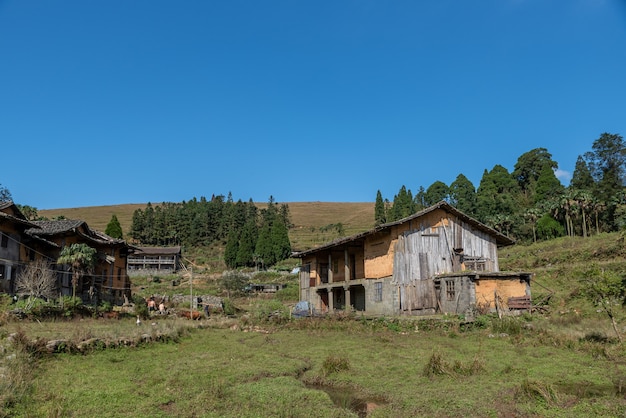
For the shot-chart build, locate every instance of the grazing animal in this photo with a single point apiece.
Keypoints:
(111, 315)
(190, 315)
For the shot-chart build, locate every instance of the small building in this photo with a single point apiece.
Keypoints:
(108, 281)
(12, 251)
(155, 259)
(438, 260)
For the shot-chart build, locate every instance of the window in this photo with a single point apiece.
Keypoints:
(5, 240)
(378, 292)
(324, 273)
(450, 291)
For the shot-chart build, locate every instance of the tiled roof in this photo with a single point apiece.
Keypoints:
(56, 227)
(51, 228)
(157, 250)
(16, 220)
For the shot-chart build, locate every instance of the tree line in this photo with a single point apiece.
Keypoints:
(251, 237)
(530, 203)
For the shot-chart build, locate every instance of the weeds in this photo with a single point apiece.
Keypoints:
(335, 364)
(438, 366)
(506, 325)
(534, 389)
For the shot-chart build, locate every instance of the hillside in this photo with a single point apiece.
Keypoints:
(314, 223)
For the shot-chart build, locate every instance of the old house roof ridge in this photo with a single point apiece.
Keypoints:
(501, 239)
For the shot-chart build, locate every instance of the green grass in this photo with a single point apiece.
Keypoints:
(268, 371)
(560, 362)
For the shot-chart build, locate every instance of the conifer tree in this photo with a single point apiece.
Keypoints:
(463, 195)
(437, 192)
(231, 249)
(280, 241)
(247, 244)
(547, 185)
(379, 210)
(114, 229)
(582, 178)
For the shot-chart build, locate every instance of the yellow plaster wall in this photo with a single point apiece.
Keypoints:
(485, 290)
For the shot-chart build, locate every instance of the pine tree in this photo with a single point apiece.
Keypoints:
(280, 241)
(582, 178)
(463, 195)
(114, 229)
(379, 210)
(437, 192)
(496, 194)
(231, 249)
(547, 185)
(263, 249)
(247, 244)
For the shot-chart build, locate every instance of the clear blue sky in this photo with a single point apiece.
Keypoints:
(116, 101)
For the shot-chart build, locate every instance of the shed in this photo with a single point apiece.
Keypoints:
(438, 260)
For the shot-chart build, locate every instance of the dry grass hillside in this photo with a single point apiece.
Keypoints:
(314, 223)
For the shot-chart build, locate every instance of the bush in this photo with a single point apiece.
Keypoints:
(271, 311)
(106, 306)
(234, 282)
(506, 325)
(229, 307)
(290, 293)
(335, 364)
(141, 308)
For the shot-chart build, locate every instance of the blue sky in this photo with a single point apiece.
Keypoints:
(111, 102)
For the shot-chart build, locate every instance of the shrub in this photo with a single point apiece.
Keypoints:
(506, 325)
(436, 366)
(141, 308)
(335, 364)
(229, 307)
(234, 282)
(534, 389)
(271, 311)
(290, 293)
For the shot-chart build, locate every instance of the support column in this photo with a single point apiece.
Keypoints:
(331, 301)
(346, 266)
(347, 292)
(330, 268)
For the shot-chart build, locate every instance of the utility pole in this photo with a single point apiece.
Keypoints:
(191, 292)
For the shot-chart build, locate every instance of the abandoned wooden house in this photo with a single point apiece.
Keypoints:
(108, 281)
(438, 260)
(12, 246)
(155, 259)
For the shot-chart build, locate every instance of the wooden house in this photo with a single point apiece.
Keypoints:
(108, 281)
(12, 247)
(155, 259)
(438, 260)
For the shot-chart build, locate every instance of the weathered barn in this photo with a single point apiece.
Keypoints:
(438, 260)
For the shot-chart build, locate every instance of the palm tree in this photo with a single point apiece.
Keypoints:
(533, 215)
(81, 258)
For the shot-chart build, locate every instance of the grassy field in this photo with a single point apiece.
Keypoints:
(337, 368)
(309, 219)
(564, 360)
